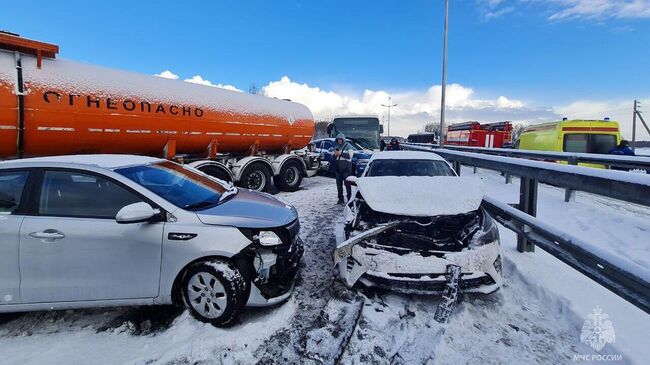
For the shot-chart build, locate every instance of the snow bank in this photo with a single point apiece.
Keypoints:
(422, 196)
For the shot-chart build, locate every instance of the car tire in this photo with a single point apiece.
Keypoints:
(290, 176)
(214, 292)
(256, 176)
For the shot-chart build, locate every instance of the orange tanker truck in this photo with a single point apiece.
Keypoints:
(51, 106)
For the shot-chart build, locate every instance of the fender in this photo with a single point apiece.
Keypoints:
(202, 163)
(241, 165)
(279, 161)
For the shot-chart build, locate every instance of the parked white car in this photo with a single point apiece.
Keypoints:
(411, 217)
(107, 230)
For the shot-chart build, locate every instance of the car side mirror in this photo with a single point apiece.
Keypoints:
(136, 213)
(351, 180)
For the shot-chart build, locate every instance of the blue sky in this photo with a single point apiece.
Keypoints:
(544, 54)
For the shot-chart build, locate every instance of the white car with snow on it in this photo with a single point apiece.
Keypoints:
(409, 219)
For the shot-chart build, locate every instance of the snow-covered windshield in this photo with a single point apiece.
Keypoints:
(404, 167)
(182, 187)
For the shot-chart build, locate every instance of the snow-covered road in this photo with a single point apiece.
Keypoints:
(536, 317)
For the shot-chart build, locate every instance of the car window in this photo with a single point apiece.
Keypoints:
(12, 185)
(316, 144)
(404, 167)
(328, 144)
(77, 194)
(602, 143)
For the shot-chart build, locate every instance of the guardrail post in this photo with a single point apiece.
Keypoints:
(569, 194)
(508, 178)
(528, 205)
(475, 169)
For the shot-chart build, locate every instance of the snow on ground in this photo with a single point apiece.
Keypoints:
(535, 317)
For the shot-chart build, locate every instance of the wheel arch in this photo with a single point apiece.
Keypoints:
(242, 164)
(281, 160)
(244, 267)
(203, 163)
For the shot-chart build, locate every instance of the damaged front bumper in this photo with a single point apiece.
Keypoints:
(417, 272)
(276, 271)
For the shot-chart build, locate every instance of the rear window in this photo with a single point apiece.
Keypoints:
(589, 143)
(404, 167)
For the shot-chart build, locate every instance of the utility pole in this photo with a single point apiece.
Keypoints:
(634, 126)
(444, 77)
(637, 114)
(390, 105)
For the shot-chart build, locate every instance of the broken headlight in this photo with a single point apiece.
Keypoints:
(267, 238)
(489, 232)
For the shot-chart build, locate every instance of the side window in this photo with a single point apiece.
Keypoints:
(317, 144)
(76, 194)
(12, 185)
(576, 143)
(328, 144)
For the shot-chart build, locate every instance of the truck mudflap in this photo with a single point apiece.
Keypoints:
(344, 249)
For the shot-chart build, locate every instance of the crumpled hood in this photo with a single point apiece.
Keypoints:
(421, 196)
(250, 209)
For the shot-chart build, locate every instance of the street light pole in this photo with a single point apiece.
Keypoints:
(444, 77)
(390, 105)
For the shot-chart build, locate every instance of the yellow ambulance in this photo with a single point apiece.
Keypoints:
(581, 136)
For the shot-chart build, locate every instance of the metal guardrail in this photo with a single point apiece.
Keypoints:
(602, 267)
(630, 187)
(608, 271)
(628, 162)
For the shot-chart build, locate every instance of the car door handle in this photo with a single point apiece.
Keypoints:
(48, 235)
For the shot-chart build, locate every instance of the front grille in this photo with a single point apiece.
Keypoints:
(436, 286)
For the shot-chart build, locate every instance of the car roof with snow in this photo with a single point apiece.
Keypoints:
(110, 162)
(406, 155)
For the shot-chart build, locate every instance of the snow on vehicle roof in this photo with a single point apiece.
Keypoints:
(104, 161)
(421, 196)
(80, 78)
(406, 155)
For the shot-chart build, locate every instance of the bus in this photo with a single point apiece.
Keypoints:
(365, 130)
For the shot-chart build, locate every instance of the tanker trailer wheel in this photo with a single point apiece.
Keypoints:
(256, 176)
(290, 176)
(216, 171)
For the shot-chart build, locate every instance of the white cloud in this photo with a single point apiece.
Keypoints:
(572, 9)
(167, 75)
(618, 110)
(415, 108)
(601, 9)
(197, 79)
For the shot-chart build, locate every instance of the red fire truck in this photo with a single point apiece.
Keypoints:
(479, 135)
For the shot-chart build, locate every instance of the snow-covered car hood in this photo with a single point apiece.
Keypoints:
(421, 196)
(250, 209)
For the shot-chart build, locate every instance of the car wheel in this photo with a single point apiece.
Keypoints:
(213, 291)
(256, 177)
(290, 176)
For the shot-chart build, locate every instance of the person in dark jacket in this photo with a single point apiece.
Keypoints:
(623, 149)
(394, 145)
(343, 160)
(382, 145)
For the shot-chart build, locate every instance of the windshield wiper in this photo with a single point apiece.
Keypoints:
(201, 204)
(228, 193)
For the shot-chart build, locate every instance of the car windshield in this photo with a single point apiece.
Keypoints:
(180, 186)
(406, 167)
